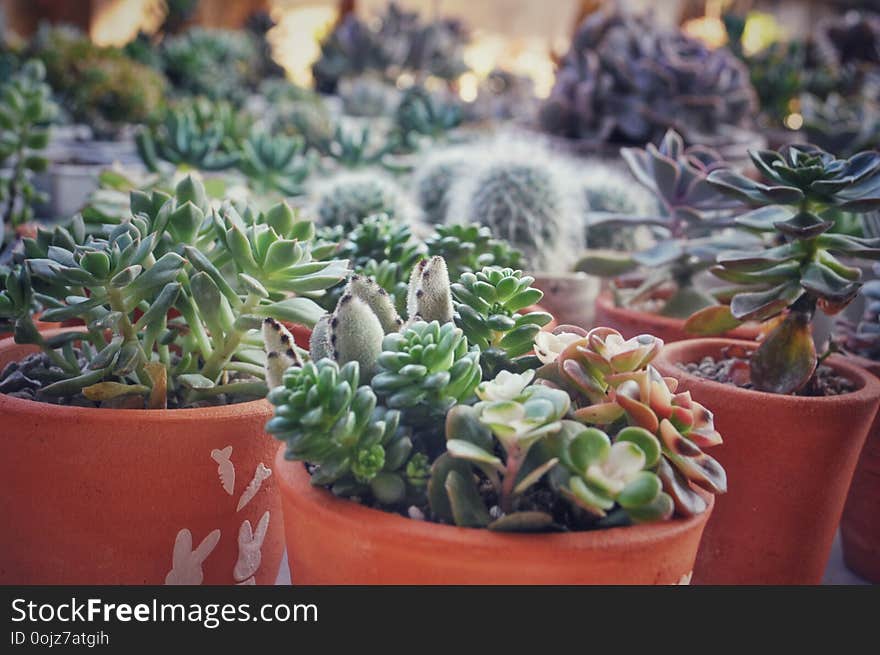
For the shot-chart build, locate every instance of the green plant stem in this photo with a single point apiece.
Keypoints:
(514, 463)
(256, 388)
(15, 182)
(221, 356)
(129, 335)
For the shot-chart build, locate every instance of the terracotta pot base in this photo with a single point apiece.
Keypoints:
(789, 461)
(332, 540)
(101, 496)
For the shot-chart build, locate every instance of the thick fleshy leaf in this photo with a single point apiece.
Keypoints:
(660, 509)
(640, 491)
(764, 218)
(606, 263)
(665, 252)
(588, 499)
(468, 509)
(687, 501)
(522, 522)
(712, 320)
(804, 225)
(638, 413)
(821, 281)
(760, 260)
(587, 448)
(786, 359)
(600, 414)
(643, 439)
(761, 305)
(468, 451)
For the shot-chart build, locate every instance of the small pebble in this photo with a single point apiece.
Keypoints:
(415, 513)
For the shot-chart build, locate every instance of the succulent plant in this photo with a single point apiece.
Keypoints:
(328, 419)
(276, 163)
(25, 112)
(218, 64)
(368, 96)
(625, 81)
(490, 307)
(348, 199)
(434, 177)
(841, 125)
(470, 247)
(852, 38)
(422, 115)
(351, 146)
(398, 42)
(221, 272)
(494, 439)
(803, 188)
(426, 369)
(613, 387)
(188, 138)
(863, 337)
(691, 213)
(526, 201)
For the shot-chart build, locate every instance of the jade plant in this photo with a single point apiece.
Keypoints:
(805, 266)
(402, 415)
(25, 112)
(692, 216)
(169, 303)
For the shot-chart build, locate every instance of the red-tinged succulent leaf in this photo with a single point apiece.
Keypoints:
(671, 384)
(716, 319)
(660, 399)
(578, 376)
(675, 443)
(761, 305)
(703, 432)
(599, 414)
(638, 413)
(703, 470)
(687, 501)
(682, 419)
(570, 329)
(786, 359)
(628, 360)
(683, 399)
(804, 225)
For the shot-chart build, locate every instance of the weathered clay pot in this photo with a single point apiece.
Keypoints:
(101, 496)
(631, 322)
(333, 540)
(860, 523)
(789, 460)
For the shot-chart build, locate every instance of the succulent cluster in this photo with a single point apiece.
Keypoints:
(624, 81)
(25, 112)
(575, 431)
(276, 163)
(863, 338)
(843, 125)
(692, 213)
(469, 247)
(170, 301)
(398, 42)
(420, 114)
(99, 86)
(217, 64)
(800, 270)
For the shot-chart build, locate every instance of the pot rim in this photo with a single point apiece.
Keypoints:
(386, 526)
(20, 406)
(868, 386)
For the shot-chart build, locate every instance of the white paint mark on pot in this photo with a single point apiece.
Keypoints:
(186, 567)
(686, 578)
(253, 487)
(250, 544)
(225, 468)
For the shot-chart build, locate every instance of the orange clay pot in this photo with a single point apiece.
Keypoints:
(103, 496)
(631, 323)
(860, 523)
(789, 460)
(333, 540)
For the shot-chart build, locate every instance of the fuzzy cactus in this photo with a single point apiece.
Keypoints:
(348, 199)
(613, 387)
(281, 351)
(489, 307)
(428, 297)
(328, 419)
(434, 177)
(527, 199)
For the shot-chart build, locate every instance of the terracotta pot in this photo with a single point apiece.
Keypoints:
(860, 523)
(102, 496)
(333, 540)
(789, 461)
(570, 297)
(631, 322)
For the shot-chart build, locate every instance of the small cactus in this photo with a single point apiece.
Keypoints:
(609, 191)
(429, 297)
(526, 198)
(281, 351)
(434, 177)
(348, 199)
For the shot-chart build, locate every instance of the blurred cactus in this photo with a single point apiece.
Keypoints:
(434, 177)
(368, 96)
(611, 192)
(348, 199)
(526, 198)
(841, 125)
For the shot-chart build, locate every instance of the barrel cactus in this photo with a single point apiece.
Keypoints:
(527, 198)
(434, 177)
(611, 191)
(348, 199)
